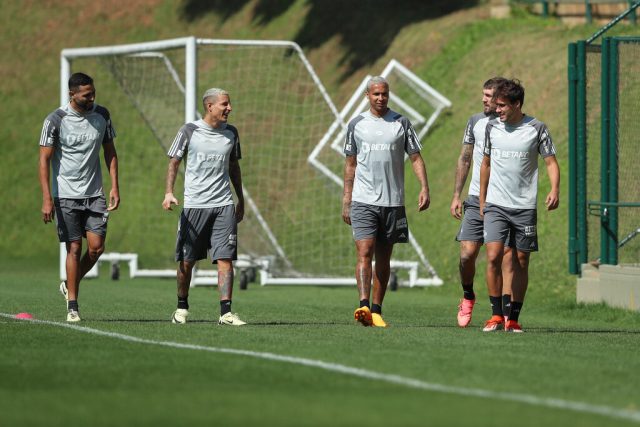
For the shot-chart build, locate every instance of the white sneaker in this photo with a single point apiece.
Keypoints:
(231, 319)
(180, 316)
(73, 316)
(64, 291)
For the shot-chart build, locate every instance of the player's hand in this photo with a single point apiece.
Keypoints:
(114, 200)
(456, 207)
(346, 212)
(48, 211)
(552, 201)
(423, 200)
(169, 199)
(239, 211)
(481, 209)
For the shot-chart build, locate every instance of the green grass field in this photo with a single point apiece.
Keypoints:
(128, 365)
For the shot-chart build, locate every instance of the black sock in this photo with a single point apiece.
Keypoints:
(183, 303)
(376, 308)
(506, 305)
(515, 310)
(225, 306)
(72, 305)
(468, 292)
(364, 303)
(496, 305)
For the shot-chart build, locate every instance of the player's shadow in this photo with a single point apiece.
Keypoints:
(365, 28)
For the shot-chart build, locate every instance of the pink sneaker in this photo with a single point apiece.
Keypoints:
(464, 312)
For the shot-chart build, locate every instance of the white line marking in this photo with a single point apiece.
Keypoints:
(607, 411)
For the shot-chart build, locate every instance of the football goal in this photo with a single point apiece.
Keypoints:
(293, 231)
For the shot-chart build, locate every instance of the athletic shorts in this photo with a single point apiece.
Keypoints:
(472, 228)
(514, 227)
(207, 229)
(74, 217)
(384, 223)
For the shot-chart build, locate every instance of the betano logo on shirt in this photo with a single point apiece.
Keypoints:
(203, 157)
(506, 154)
(377, 147)
(81, 137)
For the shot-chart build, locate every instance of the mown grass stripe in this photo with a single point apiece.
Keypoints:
(582, 407)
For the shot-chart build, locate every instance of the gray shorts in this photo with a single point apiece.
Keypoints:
(381, 222)
(207, 229)
(74, 217)
(514, 227)
(472, 227)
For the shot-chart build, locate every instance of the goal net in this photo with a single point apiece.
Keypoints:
(292, 231)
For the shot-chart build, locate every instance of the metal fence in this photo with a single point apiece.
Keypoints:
(604, 149)
(547, 6)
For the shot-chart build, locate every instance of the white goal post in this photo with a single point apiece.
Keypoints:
(292, 232)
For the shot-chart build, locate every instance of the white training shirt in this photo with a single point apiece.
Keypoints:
(379, 144)
(208, 151)
(513, 182)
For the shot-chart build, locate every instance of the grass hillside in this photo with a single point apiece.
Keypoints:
(453, 45)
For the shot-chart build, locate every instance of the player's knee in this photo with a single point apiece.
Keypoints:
(96, 251)
(467, 258)
(494, 258)
(75, 250)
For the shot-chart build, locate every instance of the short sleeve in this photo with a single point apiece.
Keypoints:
(50, 135)
(469, 137)
(487, 140)
(236, 152)
(180, 143)
(411, 142)
(350, 147)
(545, 143)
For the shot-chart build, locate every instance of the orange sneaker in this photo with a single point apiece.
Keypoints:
(513, 326)
(496, 323)
(363, 315)
(378, 321)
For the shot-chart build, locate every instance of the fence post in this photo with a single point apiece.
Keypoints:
(604, 152)
(632, 15)
(545, 9)
(581, 150)
(574, 267)
(587, 11)
(613, 149)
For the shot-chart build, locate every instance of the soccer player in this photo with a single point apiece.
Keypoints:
(508, 193)
(70, 143)
(373, 200)
(470, 234)
(209, 218)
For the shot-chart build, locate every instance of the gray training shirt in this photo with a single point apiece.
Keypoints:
(513, 182)
(208, 151)
(76, 139)
(474, 134)
(379, 144)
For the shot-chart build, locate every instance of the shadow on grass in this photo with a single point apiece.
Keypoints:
(365, 28)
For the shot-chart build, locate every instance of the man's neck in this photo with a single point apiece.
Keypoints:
(77, 109)
(516, 119)
(375, 112)
(213, 123)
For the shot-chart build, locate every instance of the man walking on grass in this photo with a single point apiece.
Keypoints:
(508, 195)
(373, 199)
(70, 144)
(209, 219)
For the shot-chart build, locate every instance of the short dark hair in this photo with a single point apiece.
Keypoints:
(79, 79)
(493, 82)
(511, 90)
